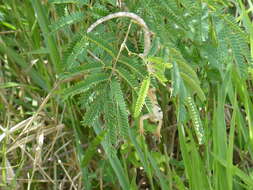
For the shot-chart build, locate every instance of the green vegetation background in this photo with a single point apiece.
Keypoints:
(68, 98)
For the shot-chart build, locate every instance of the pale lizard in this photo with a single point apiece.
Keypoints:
(156, 115)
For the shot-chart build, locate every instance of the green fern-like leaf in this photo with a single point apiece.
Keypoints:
(176, 80)
(117, 93)
(77, 49)
(66, 21)
(87, 83)
(100, 10)
(194, 114)
(80, 70)
(141, 96)
(88, 96)
(186, 76)
(232, 24)
(92, 112)
(69, 49)
(190, 4)
(134, 66)
(240, 53)
(102, 44)
(239, 59)
(171, 24)
(111, 120)
(123, 123)
(193, 86)
(122, 113)
(110, 117)
(232, 42)
(159, 65)
(127, 76)
(182, 64)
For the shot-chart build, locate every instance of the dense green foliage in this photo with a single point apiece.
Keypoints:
(96, 86)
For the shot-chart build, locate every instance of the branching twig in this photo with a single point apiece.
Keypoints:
(122, 46)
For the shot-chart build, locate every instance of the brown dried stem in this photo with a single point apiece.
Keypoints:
(136, 18)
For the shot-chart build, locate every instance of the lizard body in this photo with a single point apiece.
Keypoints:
(156, 116)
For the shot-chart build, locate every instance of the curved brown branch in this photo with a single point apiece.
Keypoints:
(136, 18)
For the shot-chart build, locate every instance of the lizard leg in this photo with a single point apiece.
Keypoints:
(158, 129)
(142, 118)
